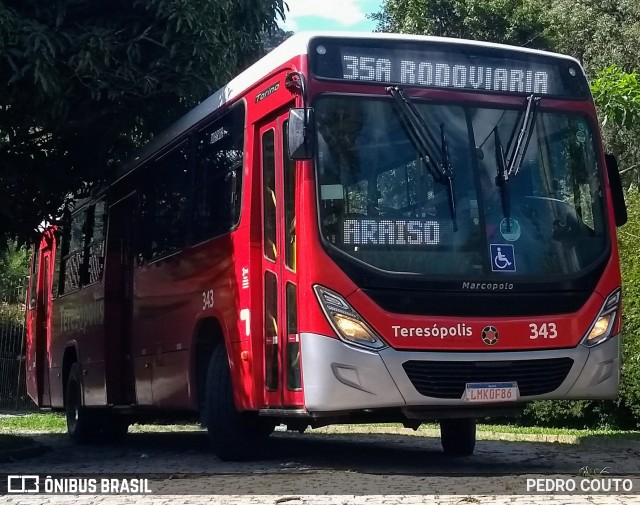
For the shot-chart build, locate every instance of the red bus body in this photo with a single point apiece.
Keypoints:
(140, 296)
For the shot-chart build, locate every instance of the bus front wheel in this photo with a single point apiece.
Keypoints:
(235, 436)
(458, 436)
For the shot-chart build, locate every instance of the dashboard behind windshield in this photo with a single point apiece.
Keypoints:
(381, 206)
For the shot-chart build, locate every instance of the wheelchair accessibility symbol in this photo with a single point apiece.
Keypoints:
(502, 258)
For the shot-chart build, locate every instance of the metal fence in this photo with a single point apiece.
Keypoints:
(13, 387)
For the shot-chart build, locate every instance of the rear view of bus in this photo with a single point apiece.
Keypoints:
(466, 255)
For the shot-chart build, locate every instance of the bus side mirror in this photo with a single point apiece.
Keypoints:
(619, 207)
(301, 134)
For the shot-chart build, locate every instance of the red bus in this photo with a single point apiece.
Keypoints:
(357, 228)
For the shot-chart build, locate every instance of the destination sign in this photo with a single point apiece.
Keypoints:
(446, 65)
(444, 75)
(394, 232)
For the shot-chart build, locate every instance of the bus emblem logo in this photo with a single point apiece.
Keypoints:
(490, 335)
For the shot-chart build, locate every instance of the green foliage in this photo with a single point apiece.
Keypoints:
(507, 21)
(629, 237)
(11, 320)
(617, 95)
(51, 422)
(84, 82)
(599, 33)
(14, 268)
(579, 414)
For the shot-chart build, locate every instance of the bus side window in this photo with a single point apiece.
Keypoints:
(73, 252)
(164, 204)
(33, 281)
(218, 178)
(55, 285)
(289, 205)
(95, 248)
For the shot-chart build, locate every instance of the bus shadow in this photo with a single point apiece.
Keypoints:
(407, 454)
(373, 453)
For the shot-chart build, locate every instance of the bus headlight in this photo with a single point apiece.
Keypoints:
(346, 322)
(602, 327)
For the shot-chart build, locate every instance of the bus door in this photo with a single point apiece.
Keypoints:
(42, 324)
(281, 343)
(119, 302)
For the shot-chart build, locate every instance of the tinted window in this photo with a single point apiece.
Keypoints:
(33, 282)
(382, 205)
(73, 241)
(218, 177)
(95, 250)
(164, 204)
(269, 195)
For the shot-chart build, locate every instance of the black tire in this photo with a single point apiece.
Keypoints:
(81, 427)
(235, 436)
(458, 436)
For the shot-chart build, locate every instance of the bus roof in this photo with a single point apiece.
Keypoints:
(296, 45)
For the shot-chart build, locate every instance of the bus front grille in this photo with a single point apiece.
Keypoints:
(448, 379)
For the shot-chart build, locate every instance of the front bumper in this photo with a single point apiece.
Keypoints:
(339, 377)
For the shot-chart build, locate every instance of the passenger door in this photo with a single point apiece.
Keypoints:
(38, 353)
(118, 306)
(281, 343)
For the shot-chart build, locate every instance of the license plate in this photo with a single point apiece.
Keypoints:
(491, 392)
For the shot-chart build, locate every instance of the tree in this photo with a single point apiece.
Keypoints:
(85, 82)
(14, 268)
(272, 40)
(605, 37)
(617, 96)
(598, 33)
(507, 21)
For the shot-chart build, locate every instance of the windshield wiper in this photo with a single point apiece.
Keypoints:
(502, 179)
(448, 174)
(435, 157)
(526, 130)
(509, 165)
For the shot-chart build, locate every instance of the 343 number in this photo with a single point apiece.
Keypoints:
(207, 299)
(544, 330)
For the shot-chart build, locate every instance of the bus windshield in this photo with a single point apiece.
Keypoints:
(381, 205)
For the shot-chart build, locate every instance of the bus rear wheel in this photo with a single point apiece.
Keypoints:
(80, 426)
(458, 436)
(235, 436)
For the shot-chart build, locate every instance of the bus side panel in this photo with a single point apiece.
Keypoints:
(92, 342)
(161, 297)
(171, 295)
(79, 323)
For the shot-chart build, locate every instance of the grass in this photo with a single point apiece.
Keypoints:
(539, 430)
(50, 422)
(56, 423)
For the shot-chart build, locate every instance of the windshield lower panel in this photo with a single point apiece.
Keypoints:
(380, 204)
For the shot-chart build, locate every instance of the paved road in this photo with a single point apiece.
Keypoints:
(332, 469)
